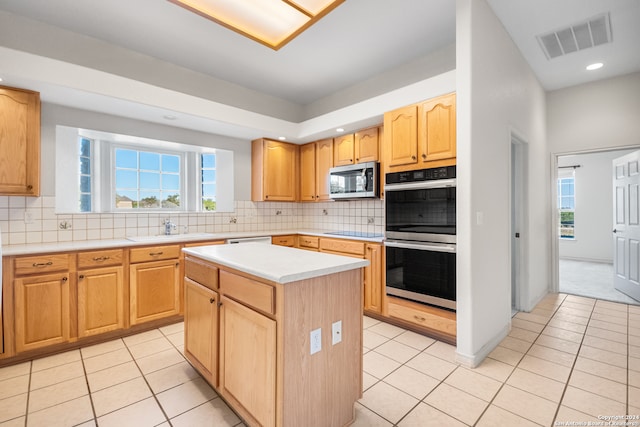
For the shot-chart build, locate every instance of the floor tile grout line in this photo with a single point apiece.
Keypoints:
(504, 383)
(86, 378)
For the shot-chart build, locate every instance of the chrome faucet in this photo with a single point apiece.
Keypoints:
(168, 226)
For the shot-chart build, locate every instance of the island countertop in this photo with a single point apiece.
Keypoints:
(275, 263)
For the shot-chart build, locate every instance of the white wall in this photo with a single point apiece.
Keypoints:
(603, 114)
(594, 207)
(497, 94)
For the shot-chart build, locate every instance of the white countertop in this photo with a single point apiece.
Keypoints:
(275, 263)
(35, 248)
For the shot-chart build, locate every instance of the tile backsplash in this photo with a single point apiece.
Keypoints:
(33, 220)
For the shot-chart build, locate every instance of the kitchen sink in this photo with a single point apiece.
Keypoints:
(170, 237)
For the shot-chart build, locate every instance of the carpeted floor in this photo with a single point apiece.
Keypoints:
(590, 279)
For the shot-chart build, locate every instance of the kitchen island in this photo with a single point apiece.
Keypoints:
(276, 331)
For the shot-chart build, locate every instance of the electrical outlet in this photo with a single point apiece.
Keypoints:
(316, 341)
(336, 332)
(28, 217)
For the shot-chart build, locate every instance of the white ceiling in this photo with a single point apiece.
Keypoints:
(356, 52)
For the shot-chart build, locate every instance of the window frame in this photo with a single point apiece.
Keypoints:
(566, 175)
(113, 146)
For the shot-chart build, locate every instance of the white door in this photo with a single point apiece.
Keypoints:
(626, 224)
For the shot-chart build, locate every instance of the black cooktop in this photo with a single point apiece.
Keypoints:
(362, 234)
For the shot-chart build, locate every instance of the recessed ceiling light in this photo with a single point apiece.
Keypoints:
(595, 66)
(0, 79)
(271, 22)
(169, 117)
(282, 138)
(339, 130)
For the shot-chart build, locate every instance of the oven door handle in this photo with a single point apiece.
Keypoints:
(422, 185)
(434, 247)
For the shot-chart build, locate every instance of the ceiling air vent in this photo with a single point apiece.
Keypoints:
(583, 35)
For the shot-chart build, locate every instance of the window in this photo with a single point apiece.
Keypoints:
(85, 174)
(120, 173)
(147, 179)
(208, 179)
(566, 204)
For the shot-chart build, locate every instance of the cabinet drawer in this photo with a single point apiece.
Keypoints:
(283, 240)
(255, 294)
(41, 264)
(99, 258)
(439, 320)
(201, 272)
(347, 247)
(154, 253)
(308, 242)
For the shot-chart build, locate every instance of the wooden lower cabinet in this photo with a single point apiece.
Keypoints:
(373, 286)
(154, 290)
(288, 240)
(100, 300)
(439, 323)
(248, 361)
(201, 329)
(41, 311)
(266, 371)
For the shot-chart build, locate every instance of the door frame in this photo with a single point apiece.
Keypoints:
(519, 218)
(555, 241)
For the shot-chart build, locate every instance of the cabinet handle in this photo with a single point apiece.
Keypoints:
(42, 264)
(212, 300)
(155, 253)
(357, 160)
(177, 264)
(351, 160)
(81, 276)
(413, 157)
(418, 318)
(101, 258)
(29, 187)
(64, 279)
(424, 156)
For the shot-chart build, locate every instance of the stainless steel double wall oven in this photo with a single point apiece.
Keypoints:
(420, 231)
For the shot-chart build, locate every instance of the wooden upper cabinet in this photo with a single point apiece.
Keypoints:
(324, 162)
(437, 128)
(366, 145)
(308, 191)
(401, 136)
(421, 136)
(274, 171)
(316, 158)
(343, 150)
(19, 142)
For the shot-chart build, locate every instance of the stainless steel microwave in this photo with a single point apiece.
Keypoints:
(355, 181)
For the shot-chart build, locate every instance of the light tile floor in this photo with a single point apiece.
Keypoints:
(570, 359)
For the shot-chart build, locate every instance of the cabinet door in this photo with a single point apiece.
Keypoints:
(19, 142)
(366, 145)
(343, 150)
(100, 300)
(324, 162)
(42, 311)
(201, 328)
(401, 133)
(373, 287)
(280, 171)
(154, 290)
(308, 191)
(248, 360)
(437, 128)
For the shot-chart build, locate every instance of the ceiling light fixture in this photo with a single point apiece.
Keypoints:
(273, 23)
(339, 130)
(282, 138)
(595, 66)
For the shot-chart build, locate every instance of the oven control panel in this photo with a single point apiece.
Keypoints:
(431, 174)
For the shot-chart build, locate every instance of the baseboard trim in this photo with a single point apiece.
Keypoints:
(473, 360)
